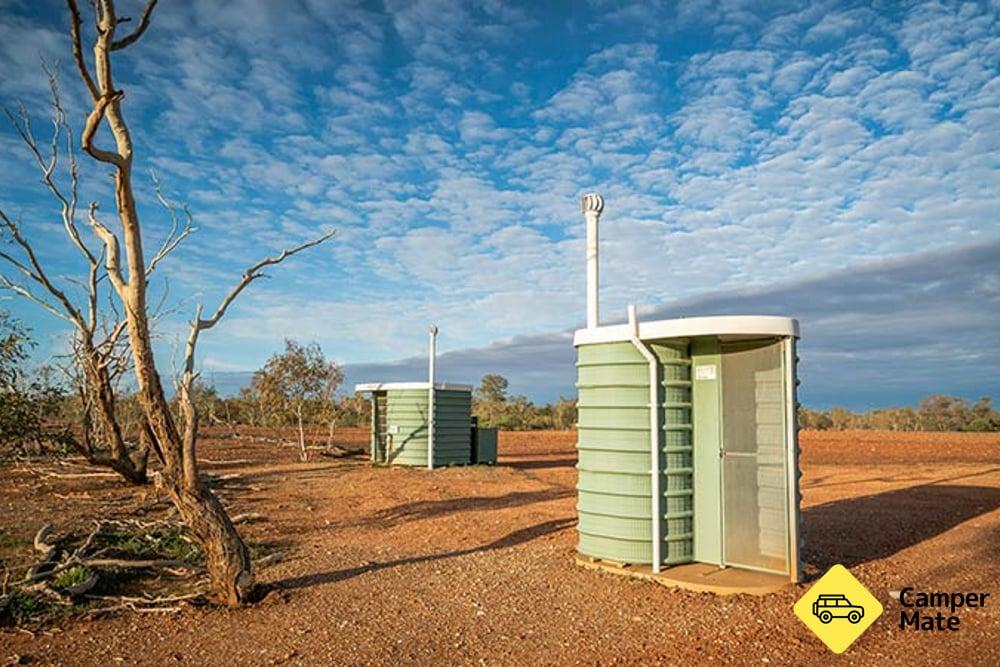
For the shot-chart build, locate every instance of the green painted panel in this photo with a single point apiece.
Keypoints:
(610, 439)
(707, 399)
(616, 549)
(622, 375)
(485, 446)
(635, 507)
(604, 354)
(620, 527)
(615, 396)
(613, 447)
(611, 461)
(635, 418)
(601, 483)
(406, 412)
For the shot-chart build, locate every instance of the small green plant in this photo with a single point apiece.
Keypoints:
(26, 608)
(72, 577)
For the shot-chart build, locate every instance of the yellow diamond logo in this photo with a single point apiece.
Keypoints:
(838, 609)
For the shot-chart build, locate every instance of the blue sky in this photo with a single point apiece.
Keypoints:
(838, 162)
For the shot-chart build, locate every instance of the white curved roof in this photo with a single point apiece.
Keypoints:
(388, 386)
(727, 327)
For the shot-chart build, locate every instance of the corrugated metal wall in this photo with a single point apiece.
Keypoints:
(613, 447)
(406, 409)
(452, 432)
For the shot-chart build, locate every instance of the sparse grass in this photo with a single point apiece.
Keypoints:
(261, 549)
(9, 541)
(26, 608)
(166, 541)
(160, 542)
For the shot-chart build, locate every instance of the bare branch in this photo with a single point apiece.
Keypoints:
(254, 272)
(81, 65)
(22, 125)
(36, 272)
(23, 291)
(134, 36)
(68, 203)
(174, 238)
(108, 346)
(198, 325)
(112, 262)
(90, 130)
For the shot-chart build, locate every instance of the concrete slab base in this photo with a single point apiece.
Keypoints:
(700, 577)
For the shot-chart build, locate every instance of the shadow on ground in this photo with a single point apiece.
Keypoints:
(512, 539)
(858, 530)
(540, 464)
(429, 509)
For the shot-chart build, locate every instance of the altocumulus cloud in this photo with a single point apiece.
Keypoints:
(878, 334)
(830, 160)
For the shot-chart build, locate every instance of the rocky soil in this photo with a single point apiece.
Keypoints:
(474, 566)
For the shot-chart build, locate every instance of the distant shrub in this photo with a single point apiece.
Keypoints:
(935, 413)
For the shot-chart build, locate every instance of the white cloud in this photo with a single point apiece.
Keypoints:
(449, 143)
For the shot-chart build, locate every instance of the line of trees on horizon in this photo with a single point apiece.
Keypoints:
(43, 412)
(937, 412)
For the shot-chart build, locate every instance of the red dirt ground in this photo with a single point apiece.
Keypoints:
(475, 565)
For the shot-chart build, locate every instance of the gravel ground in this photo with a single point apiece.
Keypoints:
(474, 566)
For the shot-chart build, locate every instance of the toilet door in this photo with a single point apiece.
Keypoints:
(754, 480)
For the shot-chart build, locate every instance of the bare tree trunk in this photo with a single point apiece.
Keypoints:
(329, 436)
(99, 381)
(303, 452)
(92, 356)
(227, 557)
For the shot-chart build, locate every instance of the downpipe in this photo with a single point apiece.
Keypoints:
(654, 434)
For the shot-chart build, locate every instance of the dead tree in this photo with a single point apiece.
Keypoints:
(226, 554)
(97, 342)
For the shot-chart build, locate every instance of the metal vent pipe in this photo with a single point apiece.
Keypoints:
(430, 398)
(592, 205)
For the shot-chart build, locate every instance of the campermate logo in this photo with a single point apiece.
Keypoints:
(936, 612)
(838, 609)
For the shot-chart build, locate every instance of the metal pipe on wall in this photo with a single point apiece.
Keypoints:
(430, 398)
(654, 434)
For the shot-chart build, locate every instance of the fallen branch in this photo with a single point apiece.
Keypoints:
(79, 557)
(141, 605)
(76, 590)
(48, 551)
(270, 559)
(132, 607)
(41, 536)
(125, 564)
(75, 475)
(247, 516)
(145, 599)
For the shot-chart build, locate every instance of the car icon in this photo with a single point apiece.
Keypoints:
(828, 607)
